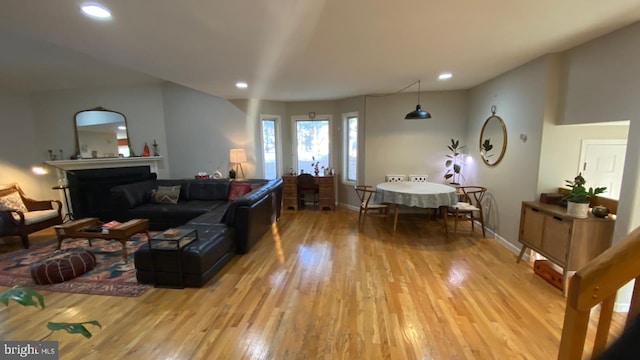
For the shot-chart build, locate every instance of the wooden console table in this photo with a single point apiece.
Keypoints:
(564, 240)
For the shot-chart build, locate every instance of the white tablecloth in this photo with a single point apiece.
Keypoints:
(417, 194)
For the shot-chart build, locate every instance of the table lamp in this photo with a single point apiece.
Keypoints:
(238, 156)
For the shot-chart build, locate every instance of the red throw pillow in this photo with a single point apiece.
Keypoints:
(238, 189)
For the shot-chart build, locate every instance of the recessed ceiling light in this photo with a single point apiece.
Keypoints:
(96, 11)
(445, 76)
(241, 85)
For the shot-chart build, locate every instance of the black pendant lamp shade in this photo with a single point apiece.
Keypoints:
(418, 113)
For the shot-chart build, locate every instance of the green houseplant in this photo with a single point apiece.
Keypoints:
(454, 162)
(578, 197)
(26, 296)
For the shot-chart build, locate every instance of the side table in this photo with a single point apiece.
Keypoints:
(67, 200)
(170, 241)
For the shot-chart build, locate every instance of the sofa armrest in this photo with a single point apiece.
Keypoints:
(252, 214)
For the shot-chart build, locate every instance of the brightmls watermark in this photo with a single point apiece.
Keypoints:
(36, 350)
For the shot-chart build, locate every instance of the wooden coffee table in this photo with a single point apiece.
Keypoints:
(122, 232)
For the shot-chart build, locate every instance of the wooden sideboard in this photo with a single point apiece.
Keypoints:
(326, 190)
(566, 241)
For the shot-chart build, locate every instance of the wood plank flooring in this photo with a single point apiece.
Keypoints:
(316, 287)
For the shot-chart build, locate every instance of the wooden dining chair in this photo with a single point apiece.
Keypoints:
(469, 207)
(395, 178)
(368, 207)
(307, 185)
(419, 178)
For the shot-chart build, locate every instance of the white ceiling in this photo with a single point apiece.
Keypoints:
(291, 49)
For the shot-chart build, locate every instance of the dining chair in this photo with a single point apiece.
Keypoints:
(368, 207)
(395, 178)
(419, 178)
(469, 207)
(307, 185)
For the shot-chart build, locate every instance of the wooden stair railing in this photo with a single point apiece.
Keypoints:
(598, 283)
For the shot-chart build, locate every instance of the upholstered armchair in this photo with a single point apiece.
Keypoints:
(21, 216)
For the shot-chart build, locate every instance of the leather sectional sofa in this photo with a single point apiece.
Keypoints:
(224, 227)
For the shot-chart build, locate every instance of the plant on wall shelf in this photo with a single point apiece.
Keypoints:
(454, 162)
(29, 297)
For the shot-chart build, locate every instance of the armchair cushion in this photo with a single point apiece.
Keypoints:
(33, 217)
(12, 201)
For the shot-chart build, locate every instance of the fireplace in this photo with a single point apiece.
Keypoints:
(90, 189)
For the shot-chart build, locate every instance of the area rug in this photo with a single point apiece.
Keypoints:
(111, 276)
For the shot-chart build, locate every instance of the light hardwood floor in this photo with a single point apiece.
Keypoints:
(317, 288)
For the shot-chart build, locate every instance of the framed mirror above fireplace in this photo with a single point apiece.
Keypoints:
(101, 133)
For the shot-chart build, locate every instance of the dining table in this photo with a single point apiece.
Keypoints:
(416, 194)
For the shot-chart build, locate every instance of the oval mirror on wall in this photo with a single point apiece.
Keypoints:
(101, 133)
(493, 139)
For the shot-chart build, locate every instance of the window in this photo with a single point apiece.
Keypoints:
(311, 143)
(350, 162)
(269, 147)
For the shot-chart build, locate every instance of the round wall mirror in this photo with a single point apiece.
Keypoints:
(101, 133)
(493, 139)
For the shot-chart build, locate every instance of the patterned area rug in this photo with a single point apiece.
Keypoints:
(111, 276)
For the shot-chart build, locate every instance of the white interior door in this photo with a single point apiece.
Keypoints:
(602, 164)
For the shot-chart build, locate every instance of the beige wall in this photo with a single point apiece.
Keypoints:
(519, 97)
(603, 78)
(394, 145)
(18, 148)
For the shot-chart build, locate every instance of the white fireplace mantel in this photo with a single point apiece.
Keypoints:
(101, 163)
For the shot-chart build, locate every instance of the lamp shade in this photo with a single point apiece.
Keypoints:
(418, 113)
(237, 156)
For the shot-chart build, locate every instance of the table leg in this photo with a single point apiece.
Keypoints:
(445, 218)
(395, 219)
(59, 242)
(124, 249)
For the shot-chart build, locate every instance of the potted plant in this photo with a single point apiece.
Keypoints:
(578, 197)
(454, 163)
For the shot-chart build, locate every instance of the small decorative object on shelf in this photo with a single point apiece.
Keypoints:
(155, 148)
(232, 174)
(600, 211)
(145, 151)
(315, 165)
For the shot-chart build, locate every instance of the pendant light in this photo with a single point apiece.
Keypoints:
(418, 113)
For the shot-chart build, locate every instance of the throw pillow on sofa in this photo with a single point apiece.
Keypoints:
(238, 189)
(166, 194)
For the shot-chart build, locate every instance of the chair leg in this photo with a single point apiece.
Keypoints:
(25, 240)
(455, 224)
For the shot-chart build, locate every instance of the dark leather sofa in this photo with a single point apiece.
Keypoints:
(224, 227)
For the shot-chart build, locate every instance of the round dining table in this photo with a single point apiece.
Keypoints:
(416, 194)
